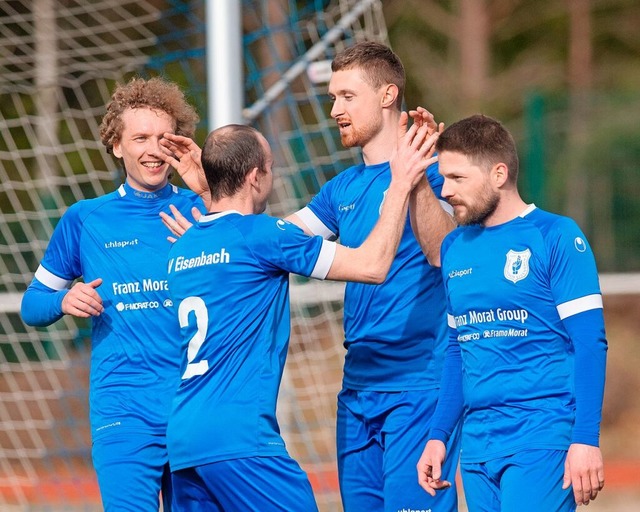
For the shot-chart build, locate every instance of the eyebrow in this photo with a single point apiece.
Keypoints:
(342, 92)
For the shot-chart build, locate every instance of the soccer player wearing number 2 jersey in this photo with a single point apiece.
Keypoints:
(229, 280)
(525, 365)
(395, 333)
(114, 243)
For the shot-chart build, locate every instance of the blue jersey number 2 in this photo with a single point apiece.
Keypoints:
(199, 309)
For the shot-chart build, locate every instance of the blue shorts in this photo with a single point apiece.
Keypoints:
(267, 484)
(132, 470)
(381, 436)
(528, 481)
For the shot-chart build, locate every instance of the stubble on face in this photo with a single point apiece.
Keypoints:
(355, 136)
(467, 214)
(360, 116)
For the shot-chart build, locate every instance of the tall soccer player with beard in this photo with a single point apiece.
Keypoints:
(395, 333)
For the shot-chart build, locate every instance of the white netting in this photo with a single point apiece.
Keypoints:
(59, 60)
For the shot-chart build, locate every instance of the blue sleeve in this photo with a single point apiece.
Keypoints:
(573, 271)
(41, 305)
(587, 333)
(280, 245)
(450, 400)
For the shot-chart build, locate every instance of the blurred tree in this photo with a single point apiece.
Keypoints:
(465, 55)
(580, 70)
(579, 58)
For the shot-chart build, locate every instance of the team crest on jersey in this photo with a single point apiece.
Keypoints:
(517, 266)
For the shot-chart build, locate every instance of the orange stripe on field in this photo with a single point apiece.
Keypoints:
(62, 487)
(81, 487)
(622, 474)
(619, 474)
(323, 480)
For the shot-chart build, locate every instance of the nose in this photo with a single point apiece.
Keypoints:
(447, 189)
(336, 109)
(153, 146)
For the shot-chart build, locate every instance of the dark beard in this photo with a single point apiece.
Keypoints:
(479, 213)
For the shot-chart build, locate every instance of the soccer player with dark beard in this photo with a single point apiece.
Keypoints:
(525, 365)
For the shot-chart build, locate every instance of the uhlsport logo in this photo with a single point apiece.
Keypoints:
(120, 244)
(460, 273)
(517, 266)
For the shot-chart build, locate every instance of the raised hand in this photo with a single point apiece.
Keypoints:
(178, 224)
(422, 116)
(414, 151)
(82, 300)
(183, 154)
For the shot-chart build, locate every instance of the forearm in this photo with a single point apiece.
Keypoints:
(450, 400)
(588, 336)
(429, 221)
(379, 249)
(370, 263)
(41, 306)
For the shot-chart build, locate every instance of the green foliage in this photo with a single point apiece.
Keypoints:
(528, 45)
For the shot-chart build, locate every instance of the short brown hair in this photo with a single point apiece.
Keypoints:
(156, 94)
(378, 63)
(482, 139)
(229, 153)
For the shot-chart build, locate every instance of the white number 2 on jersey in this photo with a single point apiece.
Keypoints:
(197, 305)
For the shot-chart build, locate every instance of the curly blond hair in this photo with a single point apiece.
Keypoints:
(154, 93)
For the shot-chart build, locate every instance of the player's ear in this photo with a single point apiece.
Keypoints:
(499, 174)
(389, 95)
(252, 177)
(117, 151)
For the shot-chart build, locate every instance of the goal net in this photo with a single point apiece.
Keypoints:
(59, 60)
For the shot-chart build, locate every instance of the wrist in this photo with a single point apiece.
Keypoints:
(400, 187)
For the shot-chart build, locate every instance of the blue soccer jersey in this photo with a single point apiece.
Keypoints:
(511, 289)
(395, 332)
(120, 238)
(229, 280)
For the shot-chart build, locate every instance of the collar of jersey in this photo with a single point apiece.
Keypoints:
(127, 190)
(375, 167)
(530, 207)
(528, 210)
(379, 165)
(211, 216)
